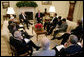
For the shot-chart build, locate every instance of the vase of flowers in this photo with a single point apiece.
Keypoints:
(39, 27)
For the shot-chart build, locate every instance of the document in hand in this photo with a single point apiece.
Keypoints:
(60, 47)
(26, 40)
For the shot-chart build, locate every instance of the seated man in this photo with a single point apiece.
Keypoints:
(70, 47)
(59, 21)
(19, 42)
(45, 43)
(39, 17)
(51, 25)
(62, 28)
(55, 23)
(25, 34)
(13, 27)
(23, 18)
(78, 31)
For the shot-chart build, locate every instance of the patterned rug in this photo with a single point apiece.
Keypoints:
(5, 47)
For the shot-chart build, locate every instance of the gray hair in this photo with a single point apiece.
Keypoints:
(73, 39)
(45, 43)
(17, 34)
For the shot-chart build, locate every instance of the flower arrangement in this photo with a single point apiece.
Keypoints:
(26, 4)
(39, 26)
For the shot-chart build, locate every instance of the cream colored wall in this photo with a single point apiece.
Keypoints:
(62, 8)
(3, 12)
(78, 12)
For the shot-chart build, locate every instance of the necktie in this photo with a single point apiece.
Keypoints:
(38, 14)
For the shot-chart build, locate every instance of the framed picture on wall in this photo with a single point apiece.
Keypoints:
(5, 5)
(46, 2)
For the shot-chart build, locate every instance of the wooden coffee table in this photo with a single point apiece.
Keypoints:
(38, 32)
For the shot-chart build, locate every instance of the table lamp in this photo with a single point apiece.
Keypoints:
(10, 11)
(52, 10)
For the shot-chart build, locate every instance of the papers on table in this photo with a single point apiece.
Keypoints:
(60, 47)
(26, 40)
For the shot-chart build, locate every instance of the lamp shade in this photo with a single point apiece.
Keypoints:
(10, 10)
(52, 9)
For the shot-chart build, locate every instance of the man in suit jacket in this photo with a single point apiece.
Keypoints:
(62, 28)
(78, 31)
(23, 18)
(71, 47)
(59, 21)
(39, 17)
(20, 43)
(51, 25)
(56, 21)
(45, 51)
(12, 27)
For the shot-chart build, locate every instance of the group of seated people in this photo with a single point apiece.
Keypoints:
(71, 44)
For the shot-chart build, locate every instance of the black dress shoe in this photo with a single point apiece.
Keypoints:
(38, 48)
(30, 36)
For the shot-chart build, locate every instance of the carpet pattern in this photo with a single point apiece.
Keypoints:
(5, 47)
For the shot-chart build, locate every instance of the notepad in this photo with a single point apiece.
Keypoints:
(21, 29)
(60, 47)
(26, 40)
(79, 44)
(21, 25)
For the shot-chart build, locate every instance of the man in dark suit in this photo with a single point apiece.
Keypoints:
(70, 47)
(12, 27)
(20, 43)
(52, 24)
(39, 17)
(62, 28)
(59, 21)
(78, 31)
(56, 21)
(23, 19)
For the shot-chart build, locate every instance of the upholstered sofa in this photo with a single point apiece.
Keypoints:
(71, 25)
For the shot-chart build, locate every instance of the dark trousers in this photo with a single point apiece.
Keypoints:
(65, 37)
(27, 23)
(51, 29)
(56, 32)
(39, 20)
(47, 26)
(25, 34)
(31, 46)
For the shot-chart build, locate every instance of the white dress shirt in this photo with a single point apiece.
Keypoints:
(24, 16)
